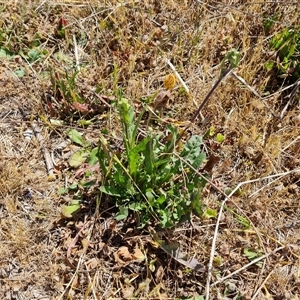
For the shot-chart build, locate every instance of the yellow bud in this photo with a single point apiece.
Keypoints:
(169, 82)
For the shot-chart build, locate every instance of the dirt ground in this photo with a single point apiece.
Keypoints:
(108, 45)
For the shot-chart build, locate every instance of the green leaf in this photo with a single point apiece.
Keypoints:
(269, 65)
(166, 172)
(110, 190)
(56, 122)
(192, 151)
(136, 206)
(233, 56)
(210, 213)
(69, 210)
(122, 214)
(243, 221)
(63, 58)
(5, 53)
(251, 255)
(75, 136)
(150, 195)
(85, 122)
(228, 191)
(62, 191)
(134, 156)
(73, 187)
(161, 199)
(220, 138)
(149, 164)
(210, 132)
(268, 22)
(127, 117)
(33, 55)
(164, 218)
(20, 72)
(78, 158)
(93, 159)
(196, 204)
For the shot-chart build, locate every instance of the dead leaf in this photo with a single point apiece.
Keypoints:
(128, 292)
(138, 254)
(82, 107)
(86, 167)
(163, 296)
(113, 224)
(212, 161)
(92, 263)
(85, 244)
(225, 249)
(159, 274)
(173, 249)
(161, 99)
(122, 255)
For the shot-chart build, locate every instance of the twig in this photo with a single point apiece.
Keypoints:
(73, 277)
(37, 132)
(91, 283)
(280, 91)
(250, 88)
(204, 102)
(102, 100)
(80, 258)
(269, 183)
(248, 265)
(178, 76)
(182, 83)
(290, 144)
(74, 241)
(263, 283)
(213, 247)
(76, 53)
(291, 97)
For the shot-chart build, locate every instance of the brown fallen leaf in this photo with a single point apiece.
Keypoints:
(212, 161)
(128, 292)
(86, 167)
(159, 274)
(161, 99)
(138, 254)
(82, 107)
(173, 249)
(163, 296)
(92, 263)
(122, 255)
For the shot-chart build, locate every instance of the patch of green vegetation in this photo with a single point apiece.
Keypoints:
(286, 44)
(64, 87)
(147, 178)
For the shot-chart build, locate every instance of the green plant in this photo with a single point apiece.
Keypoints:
(152, 178)
(86, 153)
(85, 161)
(147, 178)
(269, 21)
(65, 87)
(286, 43)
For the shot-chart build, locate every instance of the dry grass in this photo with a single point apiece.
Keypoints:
(43, 256)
